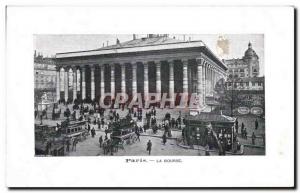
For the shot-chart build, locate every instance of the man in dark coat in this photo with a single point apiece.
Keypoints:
(100, 141)
(253, 138)
(149, 146)
(256, 124)
(164, 139)
(93, 132)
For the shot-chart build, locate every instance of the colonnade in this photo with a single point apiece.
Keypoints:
(207, 72)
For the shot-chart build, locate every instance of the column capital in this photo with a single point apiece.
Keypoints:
(156, 62)
(66, 68)
(185, 61)
(74, 68)
(134, 64)
(171, 61)
(92, 66)
(200, 61)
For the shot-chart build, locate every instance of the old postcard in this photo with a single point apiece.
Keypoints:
(149, 94)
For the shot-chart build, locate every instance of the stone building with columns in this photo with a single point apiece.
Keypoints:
(152, 64)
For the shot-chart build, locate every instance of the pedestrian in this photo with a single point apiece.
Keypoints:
(74, 144)
(68, 145)
(93, 132)
(89, 128)
(100, 141)
(253, 138)
(164, 139)
(256, 124)
(149, 146)
(206, 150)
(138, 135)
(243, 126)
(246, 133)
(236, 126)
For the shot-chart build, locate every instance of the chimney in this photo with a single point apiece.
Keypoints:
(134, 37)
(118, 41)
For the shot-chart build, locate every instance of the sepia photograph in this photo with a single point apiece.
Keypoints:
(149, 94)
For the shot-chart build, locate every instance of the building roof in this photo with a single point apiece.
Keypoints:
(158, 40)
(153, 43)
(136, 45)
(250, 53)
(209, 117)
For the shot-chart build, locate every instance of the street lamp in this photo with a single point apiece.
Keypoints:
(198, 139)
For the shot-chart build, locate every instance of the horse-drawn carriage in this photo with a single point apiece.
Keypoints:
(48, 141)
(122, 132)
(73, 129)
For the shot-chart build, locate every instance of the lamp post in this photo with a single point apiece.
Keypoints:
(198, 139)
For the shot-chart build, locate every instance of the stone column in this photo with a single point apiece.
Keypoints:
(57, 83)
(171, 79)
(66, 84)
(92, 82)
(134, 80)
(158, 80)
(83, 83)
(123, 81)
(211, 80)
(102, 86)
(204, 81)
(112, 80)
(200, 81)
(185, 77)
(74, 83)
(146, 82)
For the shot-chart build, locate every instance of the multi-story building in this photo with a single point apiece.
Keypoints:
(243, 74)
(44, 76)
(246, 67)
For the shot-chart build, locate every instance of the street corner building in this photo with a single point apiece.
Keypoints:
(152, 64)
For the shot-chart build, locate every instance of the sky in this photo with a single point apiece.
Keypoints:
(49, 45)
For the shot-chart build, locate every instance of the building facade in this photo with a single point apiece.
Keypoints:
(246, 67)
(44, 78)
(243, 74)
(44, 73)
(152, 64)
(255, 84)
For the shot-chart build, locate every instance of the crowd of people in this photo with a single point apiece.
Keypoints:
(103, 119)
